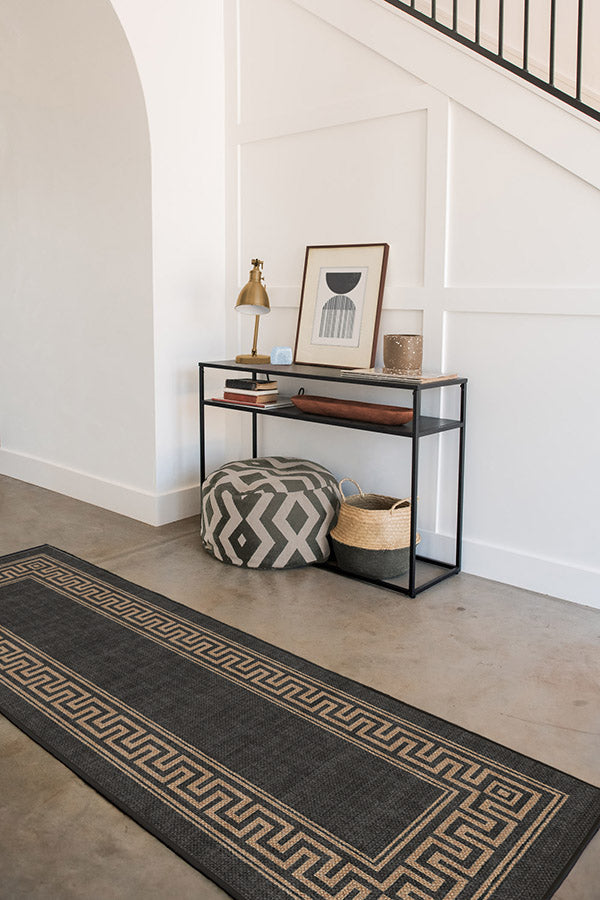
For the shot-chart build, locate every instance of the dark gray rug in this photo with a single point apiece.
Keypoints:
(272, 776)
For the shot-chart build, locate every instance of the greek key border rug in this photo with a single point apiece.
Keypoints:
(272, 776)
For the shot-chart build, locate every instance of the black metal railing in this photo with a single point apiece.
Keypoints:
(522, 41)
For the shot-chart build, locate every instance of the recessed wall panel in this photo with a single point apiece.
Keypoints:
(357, 183)
(304, 63)
(516, 218)
(532, 432)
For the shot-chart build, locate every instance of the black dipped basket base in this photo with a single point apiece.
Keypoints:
(371, 563)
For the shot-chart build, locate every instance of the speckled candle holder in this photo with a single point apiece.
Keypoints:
(403, 354)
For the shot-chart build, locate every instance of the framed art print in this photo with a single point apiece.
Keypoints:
(340, 305)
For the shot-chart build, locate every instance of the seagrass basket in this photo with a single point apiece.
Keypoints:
(372, 521)
(372, 534)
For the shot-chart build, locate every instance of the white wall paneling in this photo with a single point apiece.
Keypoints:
(334, 164)
(488, 197)
(521, 404)
(336, 185)
(532, 490)
(565, 136)
(545, 221)
(304, 63)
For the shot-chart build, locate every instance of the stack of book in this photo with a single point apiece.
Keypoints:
(252, 392)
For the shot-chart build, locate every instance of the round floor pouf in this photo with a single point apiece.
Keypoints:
(269, 513)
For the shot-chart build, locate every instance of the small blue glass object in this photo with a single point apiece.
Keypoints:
(281, 356)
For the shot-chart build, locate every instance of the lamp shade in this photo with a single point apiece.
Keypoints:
(253, 299)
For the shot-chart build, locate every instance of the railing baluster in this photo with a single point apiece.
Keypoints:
(579, 47)
(525, 34)
(545, 82)
(552, 41)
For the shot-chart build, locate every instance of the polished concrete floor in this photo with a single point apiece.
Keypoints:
(518, 667)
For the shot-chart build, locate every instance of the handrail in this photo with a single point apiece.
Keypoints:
(512, 47)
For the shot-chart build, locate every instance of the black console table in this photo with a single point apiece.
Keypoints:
(423, 572)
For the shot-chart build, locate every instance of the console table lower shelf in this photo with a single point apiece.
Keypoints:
(423, 572)
(427, 573)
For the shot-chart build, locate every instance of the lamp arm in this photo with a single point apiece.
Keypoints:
(255, 341)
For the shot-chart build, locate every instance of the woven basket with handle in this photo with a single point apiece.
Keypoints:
(373, 521)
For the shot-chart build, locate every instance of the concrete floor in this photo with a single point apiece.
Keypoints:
(517, 667)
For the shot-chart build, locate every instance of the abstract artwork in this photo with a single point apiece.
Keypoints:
(340, 306)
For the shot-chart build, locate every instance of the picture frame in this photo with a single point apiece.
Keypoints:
(340, 305)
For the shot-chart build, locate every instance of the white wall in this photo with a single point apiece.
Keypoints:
(76, 356)
(354, 125)
(112, 246)
(178, 48)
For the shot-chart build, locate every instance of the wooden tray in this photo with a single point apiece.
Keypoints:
(353, 409)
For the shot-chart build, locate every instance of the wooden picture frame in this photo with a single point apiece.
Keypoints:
(340, 305)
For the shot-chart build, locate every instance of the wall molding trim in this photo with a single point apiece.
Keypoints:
(144, 506)
(358, 109)
(552, 577)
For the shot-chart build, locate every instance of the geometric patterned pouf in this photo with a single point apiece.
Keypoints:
(269, 513)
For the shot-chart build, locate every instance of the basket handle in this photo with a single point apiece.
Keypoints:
(353, 482)
(399, 503)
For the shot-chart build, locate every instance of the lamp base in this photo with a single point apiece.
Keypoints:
(246, 359)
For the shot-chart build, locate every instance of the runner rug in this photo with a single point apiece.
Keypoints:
(272, 776)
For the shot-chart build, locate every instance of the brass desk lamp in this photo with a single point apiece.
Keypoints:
(253, 301)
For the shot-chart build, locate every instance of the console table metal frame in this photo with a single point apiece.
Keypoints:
(419, 427)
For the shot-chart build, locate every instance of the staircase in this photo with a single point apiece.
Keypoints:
(552, 44)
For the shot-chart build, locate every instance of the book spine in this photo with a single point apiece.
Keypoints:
(273, 405)
(249, 401)
(236, 390)
(248, 384)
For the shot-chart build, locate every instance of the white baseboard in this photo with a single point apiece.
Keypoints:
(175, 505)
(545, 576)
(534, 573)
(153, 509)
